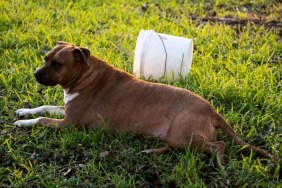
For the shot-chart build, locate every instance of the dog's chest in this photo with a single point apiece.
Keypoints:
(68, 97)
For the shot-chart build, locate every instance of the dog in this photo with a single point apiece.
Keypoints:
(95, 91)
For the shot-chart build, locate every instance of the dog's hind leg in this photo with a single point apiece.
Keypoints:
(58, 110)
(218, 147)
(203, 144)
(156, 150)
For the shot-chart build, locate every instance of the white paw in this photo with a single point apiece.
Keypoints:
(28, 122)
(147, 151)
(24, 111)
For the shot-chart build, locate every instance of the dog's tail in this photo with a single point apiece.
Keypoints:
(221, 123)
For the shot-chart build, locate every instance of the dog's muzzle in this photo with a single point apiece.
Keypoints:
(42, 78)
(37, 74)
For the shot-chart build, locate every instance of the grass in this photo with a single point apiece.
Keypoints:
(237, 68)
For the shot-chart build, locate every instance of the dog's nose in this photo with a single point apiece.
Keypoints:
(36, 70)
(36, 73)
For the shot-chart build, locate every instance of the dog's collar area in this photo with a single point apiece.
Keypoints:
(68, 97)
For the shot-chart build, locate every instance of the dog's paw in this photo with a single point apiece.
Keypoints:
(147, 151)
(24, 111)
(24, 123)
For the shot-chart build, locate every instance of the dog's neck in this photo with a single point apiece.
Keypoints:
(95, 76)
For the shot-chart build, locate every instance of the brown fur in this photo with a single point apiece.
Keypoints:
(177, 116)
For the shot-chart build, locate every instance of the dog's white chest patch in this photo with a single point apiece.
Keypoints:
(69, 96)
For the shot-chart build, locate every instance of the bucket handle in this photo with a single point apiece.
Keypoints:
(165, 53)
(144, 51)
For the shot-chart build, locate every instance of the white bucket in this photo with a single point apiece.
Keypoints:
(159, 55)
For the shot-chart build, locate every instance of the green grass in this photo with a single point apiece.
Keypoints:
(237, 68)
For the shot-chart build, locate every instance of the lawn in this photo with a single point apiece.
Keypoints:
(236, 66)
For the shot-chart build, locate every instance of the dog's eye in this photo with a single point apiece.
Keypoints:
(56, 63)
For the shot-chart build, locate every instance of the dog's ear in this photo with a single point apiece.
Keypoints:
(81, 55)
(63, 43)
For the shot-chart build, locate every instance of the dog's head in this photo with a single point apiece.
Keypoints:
(62, 64)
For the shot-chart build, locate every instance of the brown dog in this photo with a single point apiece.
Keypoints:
(95, 90)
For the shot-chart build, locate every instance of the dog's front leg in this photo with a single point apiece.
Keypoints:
(49, 122)
(58, 110)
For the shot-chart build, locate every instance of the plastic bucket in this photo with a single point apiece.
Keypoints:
(158, 56)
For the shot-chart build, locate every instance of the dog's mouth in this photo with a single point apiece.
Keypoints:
(45, 82)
